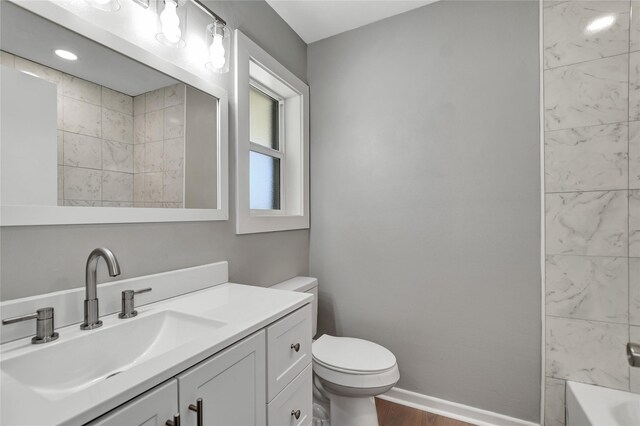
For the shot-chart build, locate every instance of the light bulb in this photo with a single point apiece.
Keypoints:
(217, 52)
(170, 22)
(105, 5)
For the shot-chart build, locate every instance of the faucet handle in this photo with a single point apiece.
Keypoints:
(128, 303)
(44, 317)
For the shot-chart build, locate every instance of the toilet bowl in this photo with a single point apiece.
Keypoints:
(348, 372)
(351, 372)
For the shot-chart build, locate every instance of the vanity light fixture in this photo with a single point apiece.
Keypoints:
(218, 39)
(172, 18)
(218, 36)
(171, 23)
(105, 5)
(65, 54)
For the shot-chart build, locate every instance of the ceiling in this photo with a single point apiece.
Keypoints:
(315, 20)
(31, 37)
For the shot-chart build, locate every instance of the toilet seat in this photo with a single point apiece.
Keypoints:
(351, 355)
(354, 363)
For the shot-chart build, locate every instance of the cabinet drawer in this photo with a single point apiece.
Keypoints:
(283, 361)
(298, 395)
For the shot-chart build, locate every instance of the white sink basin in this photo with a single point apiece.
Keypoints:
(70, 365)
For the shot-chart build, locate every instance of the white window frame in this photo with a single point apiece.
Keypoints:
(254, 66)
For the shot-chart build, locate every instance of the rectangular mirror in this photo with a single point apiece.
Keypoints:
(89, 135)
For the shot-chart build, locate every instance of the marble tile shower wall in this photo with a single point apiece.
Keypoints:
(94, 136)
(592, 193)
(115, 150)
(159, 145)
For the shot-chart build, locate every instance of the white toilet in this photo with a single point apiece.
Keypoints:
(348, 372)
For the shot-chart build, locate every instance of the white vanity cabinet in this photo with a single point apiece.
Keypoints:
(152, 408)
(265, 379)
(231, 385)
(289, 376)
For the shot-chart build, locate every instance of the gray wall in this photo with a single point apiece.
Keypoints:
(425, 197)
(49, 258)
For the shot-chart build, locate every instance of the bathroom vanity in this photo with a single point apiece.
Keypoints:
(221, 354)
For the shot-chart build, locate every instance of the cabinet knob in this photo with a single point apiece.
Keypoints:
(175, 421)
(198, 408)
(295, 347)
(295, 413)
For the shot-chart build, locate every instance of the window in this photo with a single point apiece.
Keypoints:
(265, 156)
(272, 146)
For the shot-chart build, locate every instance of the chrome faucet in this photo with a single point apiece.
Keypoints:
(633, 354)
(91, 315)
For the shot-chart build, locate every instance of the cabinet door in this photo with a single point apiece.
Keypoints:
(231, 385)
(152, 408)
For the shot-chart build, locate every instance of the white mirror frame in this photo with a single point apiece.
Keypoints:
(64, 15)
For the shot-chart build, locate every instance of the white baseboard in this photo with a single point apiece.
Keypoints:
(452, 410)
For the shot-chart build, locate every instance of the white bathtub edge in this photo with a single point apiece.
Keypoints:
(583, 399)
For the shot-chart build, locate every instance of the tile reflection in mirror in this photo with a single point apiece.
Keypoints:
(124, 151)
(122, 127)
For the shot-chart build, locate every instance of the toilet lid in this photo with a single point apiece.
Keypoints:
(350, 354)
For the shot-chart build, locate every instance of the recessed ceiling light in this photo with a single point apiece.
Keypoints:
(65, 54)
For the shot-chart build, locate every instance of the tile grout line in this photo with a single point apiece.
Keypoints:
(623, 324)
(543, 234)
(578, 191)
(599, 256)
(588, 60)
(564, 129)
(629, 192)
(627, 121)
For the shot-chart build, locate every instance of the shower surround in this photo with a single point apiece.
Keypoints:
(591, 61)
(115, 150)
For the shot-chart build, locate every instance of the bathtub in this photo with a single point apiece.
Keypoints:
(589, 405)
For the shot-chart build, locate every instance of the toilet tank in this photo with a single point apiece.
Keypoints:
(303, 285)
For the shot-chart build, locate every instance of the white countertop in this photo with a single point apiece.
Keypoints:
(244, 309)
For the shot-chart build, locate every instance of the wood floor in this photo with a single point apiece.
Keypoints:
(390, 414)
